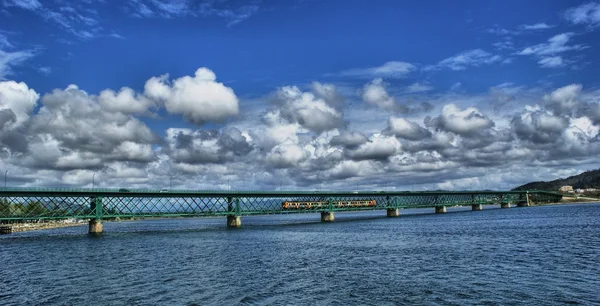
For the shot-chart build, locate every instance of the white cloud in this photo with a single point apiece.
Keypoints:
(537, 26)
(18, 98)
(547, 52)
(556, 44)
(375, 93)
(379, 147)
(200, 99)
(403, 128)
(4, 43)
(306, 109)
(125, 101)
(564, 99)
(349, 139)
(286, 155)
(418, 87)
(31, 5)
(80, 22)
(462, 122)
(588, 14)
(461, 61)
(178, 8)
(393, 69)
(45, 70)
(9, 60)
(76, 134)
(84, 133)
(551, 62)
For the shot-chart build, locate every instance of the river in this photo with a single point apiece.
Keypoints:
(535, 255)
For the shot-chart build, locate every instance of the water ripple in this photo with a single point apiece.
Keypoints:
(536, 255)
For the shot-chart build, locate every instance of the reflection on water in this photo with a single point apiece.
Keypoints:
(535, 255)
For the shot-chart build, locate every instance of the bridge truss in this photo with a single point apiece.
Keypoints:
(107, 204)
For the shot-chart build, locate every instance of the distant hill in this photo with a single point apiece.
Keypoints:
(589, 179)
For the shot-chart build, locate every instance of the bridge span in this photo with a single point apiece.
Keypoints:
(98, 205)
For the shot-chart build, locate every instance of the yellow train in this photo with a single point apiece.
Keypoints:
(325, 204)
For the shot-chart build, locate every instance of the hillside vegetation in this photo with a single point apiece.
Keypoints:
(588, 179)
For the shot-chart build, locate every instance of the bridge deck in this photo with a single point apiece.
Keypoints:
(99, 204)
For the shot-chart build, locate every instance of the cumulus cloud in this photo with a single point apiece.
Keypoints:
(73, 134)
(462, 122)
(286, 155)
(125, 101)
(348, 139)
(393, 69)
(403, 128)
(375, 93)
(206, 146)
(19, 99)
(199, 99)
(304, 108)
(379, 147)
(77, 132)
(538, 126)
(563, 100)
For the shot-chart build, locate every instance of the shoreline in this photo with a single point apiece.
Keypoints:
(27, 227)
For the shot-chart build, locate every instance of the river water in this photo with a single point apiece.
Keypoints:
(536, 255)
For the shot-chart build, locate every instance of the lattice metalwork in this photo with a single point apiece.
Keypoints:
(37, 204)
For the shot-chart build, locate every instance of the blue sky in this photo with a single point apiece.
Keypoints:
(454, 95)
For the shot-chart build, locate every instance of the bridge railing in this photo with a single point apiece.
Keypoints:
(36, 204)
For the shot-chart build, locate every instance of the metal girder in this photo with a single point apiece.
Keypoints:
(105, 204)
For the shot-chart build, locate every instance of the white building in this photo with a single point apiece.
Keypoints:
(566, 188)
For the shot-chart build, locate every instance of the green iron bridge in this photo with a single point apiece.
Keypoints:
(97, 205)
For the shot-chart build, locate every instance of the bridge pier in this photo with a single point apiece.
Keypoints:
(327, 216)
(393, 212)
(522, 204)
(477, 207)
(95, 227)
(234, 221)
(504, 205)
(440, 209)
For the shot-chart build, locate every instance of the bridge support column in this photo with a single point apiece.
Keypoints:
(234, 221)
(440, 209)
(477, 207)
(327, 216)
(504, 205)
(95, 227)
(393, 212)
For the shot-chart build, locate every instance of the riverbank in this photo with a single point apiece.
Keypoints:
(26, 227)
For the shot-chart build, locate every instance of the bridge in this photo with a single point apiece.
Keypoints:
(98, 205)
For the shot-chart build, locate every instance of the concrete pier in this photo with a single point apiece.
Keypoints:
(234, 221)
(393, 212)
(95, 227)
(504, 205)
(477, 207)
(327, 216)
(440, 209)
